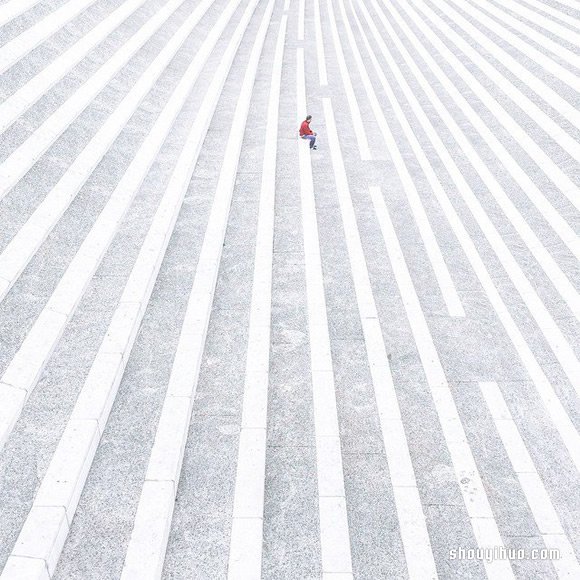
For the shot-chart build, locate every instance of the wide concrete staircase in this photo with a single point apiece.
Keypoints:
(224, 355)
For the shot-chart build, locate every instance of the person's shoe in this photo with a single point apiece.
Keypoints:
(314, 147)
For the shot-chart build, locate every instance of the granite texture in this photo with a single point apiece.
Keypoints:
(471, 350)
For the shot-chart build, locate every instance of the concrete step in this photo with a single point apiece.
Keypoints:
(223, 354)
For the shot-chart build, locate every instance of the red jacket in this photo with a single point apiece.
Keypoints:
(305, 129)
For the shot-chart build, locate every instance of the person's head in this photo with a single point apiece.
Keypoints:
(308, 118)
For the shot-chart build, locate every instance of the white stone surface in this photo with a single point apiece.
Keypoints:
(444, 279)
(20, 161)
(223, 354)
(536, 494)
(43, 536)
(169, 444)
(33, 90)
(511, 267)
(20, 46)
(334, 533)
(157, 499)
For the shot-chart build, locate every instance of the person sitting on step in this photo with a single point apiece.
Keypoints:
(307, 133)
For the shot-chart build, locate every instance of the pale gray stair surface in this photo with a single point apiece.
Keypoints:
(89, 324)
(448, 256)
(29, 18)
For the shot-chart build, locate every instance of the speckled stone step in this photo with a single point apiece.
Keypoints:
(225, 355)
